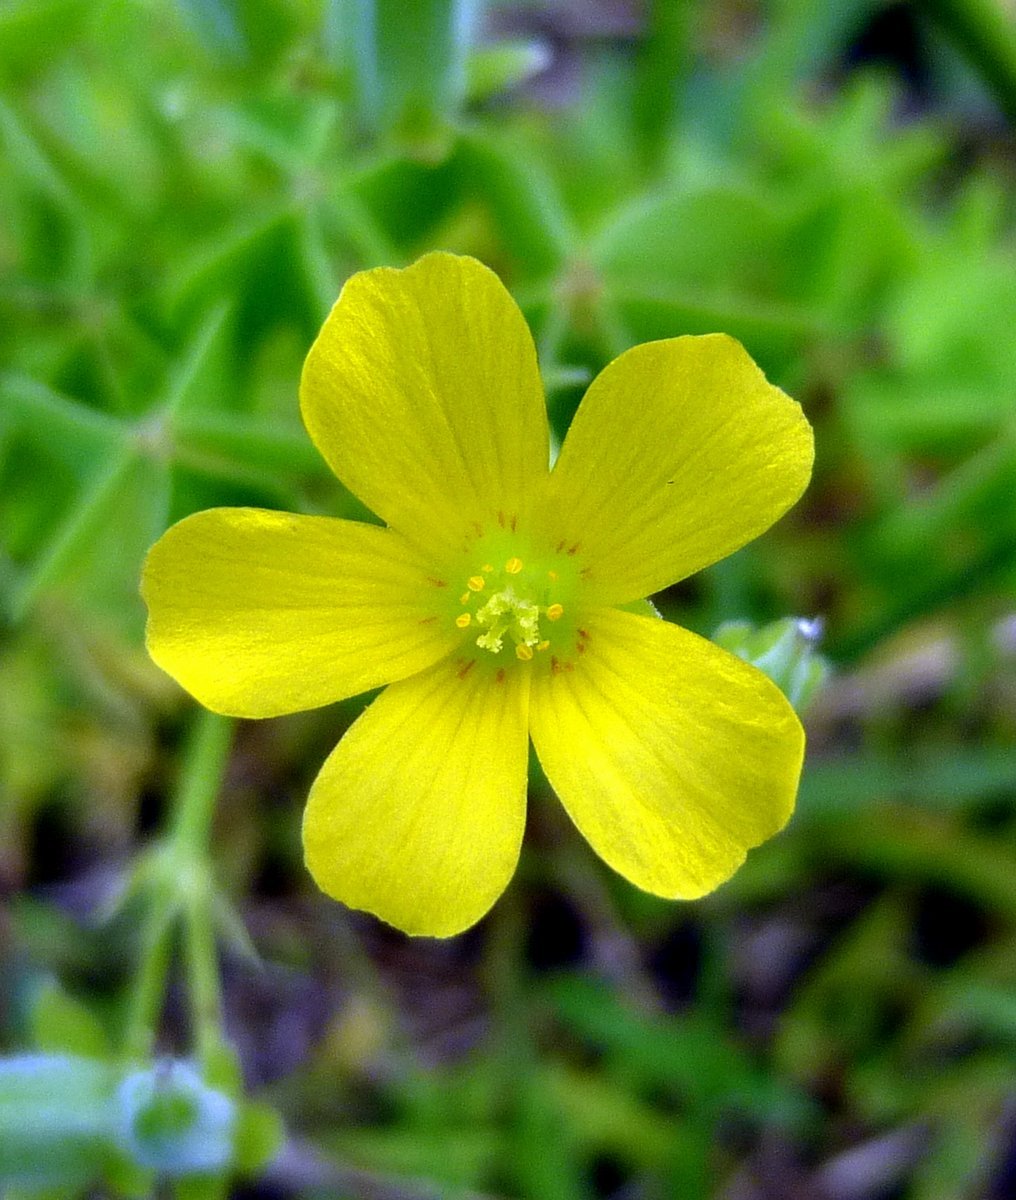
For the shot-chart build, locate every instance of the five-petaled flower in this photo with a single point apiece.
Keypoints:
(501, 601)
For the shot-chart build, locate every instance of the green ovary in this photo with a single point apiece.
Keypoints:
(508, 614)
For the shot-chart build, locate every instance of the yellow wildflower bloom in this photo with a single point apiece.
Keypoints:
(497, 603)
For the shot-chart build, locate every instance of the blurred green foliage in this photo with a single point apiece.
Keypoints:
(184, 187)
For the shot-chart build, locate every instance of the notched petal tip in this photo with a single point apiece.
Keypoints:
(680, 453)
(672, 757)
(423, 394)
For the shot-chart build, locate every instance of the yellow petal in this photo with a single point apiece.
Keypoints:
(679, 453)
(417, 816)
(423, 393)
(671, 756)
(257, 613)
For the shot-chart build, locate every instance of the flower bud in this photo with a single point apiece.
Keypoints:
(169, 1121)
(785, 650)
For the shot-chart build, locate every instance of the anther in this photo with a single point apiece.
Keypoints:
(487, 568)
(543, 645)
(513, 566)
(464, 598)
(475, 583)
(523, 652)
(464, 620)
(555, 612)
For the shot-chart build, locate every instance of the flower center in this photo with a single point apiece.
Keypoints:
(511, 615)
(506, 607)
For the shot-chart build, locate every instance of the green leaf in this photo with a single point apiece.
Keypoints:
(33, 32)
(201, 1187)
(662, 74)
(523, 198)
(74, 431)
(983, 31)
(686, 1054)
(61, 1024)
(256, 262)
(243, 33)
(249, 441)
(493, 69)
(71, 540)
(952, 779)
(258, 1138)
(190, 380)
(409, 67)
(218, 26)
(56, 1117)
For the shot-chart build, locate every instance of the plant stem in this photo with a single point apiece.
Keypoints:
(203, 975)
(149, 982)
(204, 764)
(179, 887)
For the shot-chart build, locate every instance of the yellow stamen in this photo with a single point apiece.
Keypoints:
(464, 598)
(487, 568)
(543, 645)
(524, 652)
(513, 566)
(552, 575)
(555, 612)
(475, 583)
(463, 620)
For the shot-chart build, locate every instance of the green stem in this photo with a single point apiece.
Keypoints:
(317, 269)
(557, 377)
(179, 884)
(149, 982)
(202, 962)
(207, 758)
(204, 765)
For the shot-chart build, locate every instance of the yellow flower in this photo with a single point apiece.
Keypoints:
(502, 601)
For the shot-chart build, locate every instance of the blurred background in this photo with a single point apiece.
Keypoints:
(183, 189)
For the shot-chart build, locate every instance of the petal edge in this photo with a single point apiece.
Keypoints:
(417, 815)
(422, 392)
(670, 777)
(258, 613)
(680, 453)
